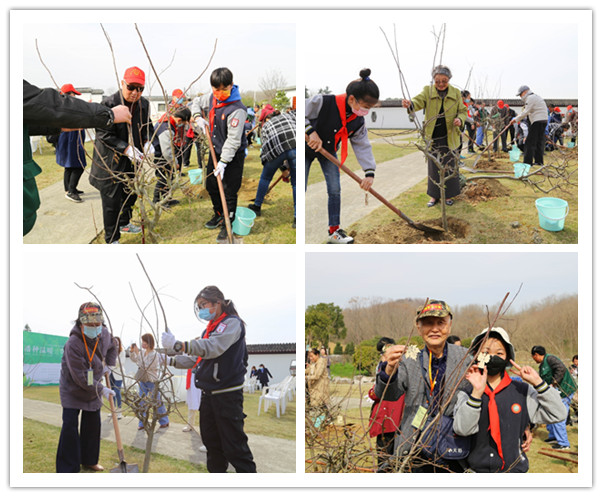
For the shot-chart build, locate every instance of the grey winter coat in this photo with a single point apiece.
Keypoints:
(74, 390)
(410, 380)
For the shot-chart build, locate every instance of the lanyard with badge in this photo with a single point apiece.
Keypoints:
(429, 386)
(90, 372)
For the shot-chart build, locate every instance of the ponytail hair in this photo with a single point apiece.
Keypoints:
(364, 88)
(214, 295)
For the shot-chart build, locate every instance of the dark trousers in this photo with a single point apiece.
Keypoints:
(116, 211)
(77, 447)
(231, 181)
(535, 143)
(472, 133)
(385, 443)
(222, 431)
(164, 175)
(71, 178)
(448, 160)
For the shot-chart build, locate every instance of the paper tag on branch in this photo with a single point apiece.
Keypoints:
(483, 359)
(412, 352)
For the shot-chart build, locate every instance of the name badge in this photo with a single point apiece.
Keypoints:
(90, 377)
(420, 417)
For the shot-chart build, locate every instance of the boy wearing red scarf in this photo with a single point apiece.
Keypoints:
(499, 409)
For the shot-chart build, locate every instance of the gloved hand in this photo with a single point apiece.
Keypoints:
(106, 392)
(201, 123)
(219, 170)
(105, 370)
(168, 340)
(148, 148)
(134, 154)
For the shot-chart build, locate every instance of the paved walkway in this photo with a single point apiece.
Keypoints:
(271, 455)
(392, 179)
(62, 221)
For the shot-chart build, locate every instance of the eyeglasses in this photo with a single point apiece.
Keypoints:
(139, 89)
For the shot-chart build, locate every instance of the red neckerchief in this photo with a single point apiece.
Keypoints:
(342, 135)
(210, 327)
(216, 105)
(494, 418)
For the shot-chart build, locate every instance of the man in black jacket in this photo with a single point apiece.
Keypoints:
(117, 153)
(47, 112)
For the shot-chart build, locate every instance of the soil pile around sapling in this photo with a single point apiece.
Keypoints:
(482, 190)
(491, 165)
(401, 232)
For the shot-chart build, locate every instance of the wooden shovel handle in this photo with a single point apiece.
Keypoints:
(220, 186)
(358, 180)
(115, 422)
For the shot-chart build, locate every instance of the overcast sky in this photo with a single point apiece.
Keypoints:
(504, 50)
(78, 52)
(467, 278)
(52, 299)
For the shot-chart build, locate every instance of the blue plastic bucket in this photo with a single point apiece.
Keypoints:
(521, 169)
(514, 155)
(196, 176)
(552, 212)
(244, 221)
(570, 145)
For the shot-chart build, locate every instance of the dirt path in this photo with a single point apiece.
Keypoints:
(272, 455)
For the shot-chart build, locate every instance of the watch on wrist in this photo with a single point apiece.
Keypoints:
(178, 346)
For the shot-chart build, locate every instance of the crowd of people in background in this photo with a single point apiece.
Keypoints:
(122, 145)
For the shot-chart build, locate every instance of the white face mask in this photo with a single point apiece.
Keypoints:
(92, 331)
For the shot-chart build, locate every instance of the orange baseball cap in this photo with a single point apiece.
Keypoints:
(69, 88)
(134, 75)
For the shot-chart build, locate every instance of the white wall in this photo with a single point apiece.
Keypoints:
(278, 364)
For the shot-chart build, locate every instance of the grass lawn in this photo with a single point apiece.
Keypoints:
(480, 220)
(266, 424)
(39, 454)
(185, 223)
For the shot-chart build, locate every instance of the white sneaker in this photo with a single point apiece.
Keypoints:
(339, 236)
(187, 428)
(202, 448)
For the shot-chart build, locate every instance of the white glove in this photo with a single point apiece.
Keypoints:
(168, 340)
(134, 154)
(219, 170)
(149, 149)
(201, 123)
(106, 392)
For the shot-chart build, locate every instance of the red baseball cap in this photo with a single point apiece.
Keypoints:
(177, 93)
(69, 88)
(506, 106)
(556, 109)
(500, 104)
(134, 75)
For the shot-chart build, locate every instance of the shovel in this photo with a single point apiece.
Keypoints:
(356, 178)
(123, 467)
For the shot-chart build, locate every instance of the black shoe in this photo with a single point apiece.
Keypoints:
(255, 209)
(294, 223)
(172, 202)
(549, 440)
(216, 221)
(561, 447)
(223, 234)
(79, 192)
(74, 197)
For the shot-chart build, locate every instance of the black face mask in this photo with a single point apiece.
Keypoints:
(496, 365)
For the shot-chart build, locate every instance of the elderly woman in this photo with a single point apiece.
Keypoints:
(87, 353)
(445, 114)
(316, 375)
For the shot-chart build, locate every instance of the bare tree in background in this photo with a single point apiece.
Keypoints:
(271, 82)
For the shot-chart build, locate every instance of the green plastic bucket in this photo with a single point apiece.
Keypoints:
(552, 212)
(243, 221)
(514, 154)
(521, 169)
(570, 145)
(196, 176)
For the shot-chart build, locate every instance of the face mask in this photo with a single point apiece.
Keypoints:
(361, 112)
(222, 95)
(496, 365)
(467, 100)
(206, 314)
(180, 100)
(92, 331)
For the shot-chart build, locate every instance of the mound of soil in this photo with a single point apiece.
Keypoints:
(491, 165)
(482, 190)
(401, 232)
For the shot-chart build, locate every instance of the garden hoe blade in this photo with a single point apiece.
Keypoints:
(123, 467)
(356, 178)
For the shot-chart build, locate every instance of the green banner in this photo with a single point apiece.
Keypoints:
(40, 348)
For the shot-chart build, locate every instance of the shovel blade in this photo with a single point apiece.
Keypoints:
(124, 467)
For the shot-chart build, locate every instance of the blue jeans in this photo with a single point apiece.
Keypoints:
(116, 386)
(270, 168)
(480, 136)
(333, 187)
(558, 430)
(146, 387)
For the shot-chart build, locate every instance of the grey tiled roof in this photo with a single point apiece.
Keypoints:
(272, 348)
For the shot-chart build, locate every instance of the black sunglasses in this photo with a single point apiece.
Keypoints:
(139, 89)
